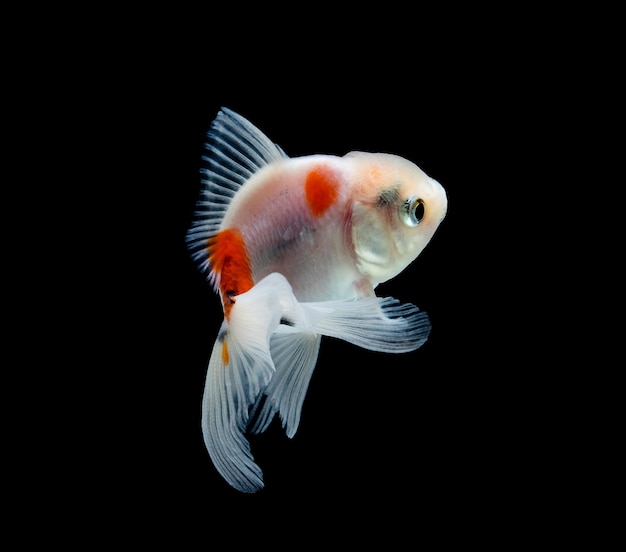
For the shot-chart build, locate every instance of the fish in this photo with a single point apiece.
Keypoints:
(295, 248)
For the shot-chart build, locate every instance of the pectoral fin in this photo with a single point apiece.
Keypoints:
(375, 323)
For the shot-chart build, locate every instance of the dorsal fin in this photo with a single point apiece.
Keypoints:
(235, 150)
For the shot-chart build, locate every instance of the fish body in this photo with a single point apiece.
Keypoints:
(295, 248)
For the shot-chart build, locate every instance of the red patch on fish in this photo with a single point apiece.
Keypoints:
(228, 256)
(321, 189)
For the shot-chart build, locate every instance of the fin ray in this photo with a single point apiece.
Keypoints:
(235, 150)
(221, 427)
(237, 376)
(375, 323)
(294, 355)
(260, 366)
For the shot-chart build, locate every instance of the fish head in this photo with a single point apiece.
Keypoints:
(396, 210)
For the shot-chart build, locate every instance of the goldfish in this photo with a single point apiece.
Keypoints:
(295, 248)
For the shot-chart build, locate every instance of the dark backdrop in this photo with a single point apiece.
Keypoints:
(451, 435)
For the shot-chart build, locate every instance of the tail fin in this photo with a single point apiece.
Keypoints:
(239, 369)
(294, 355)
(264, 357)
(224, 409)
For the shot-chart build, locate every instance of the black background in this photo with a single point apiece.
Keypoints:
(460, 439)
(440, 428)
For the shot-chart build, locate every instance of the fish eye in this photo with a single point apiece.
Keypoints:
(412, 211)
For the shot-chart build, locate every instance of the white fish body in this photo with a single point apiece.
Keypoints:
(295, 247)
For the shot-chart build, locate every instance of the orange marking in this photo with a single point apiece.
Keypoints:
(229, 258)
(225, 357)
(376, 174)
(321, 189)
